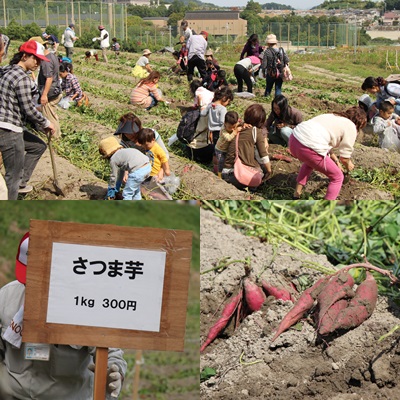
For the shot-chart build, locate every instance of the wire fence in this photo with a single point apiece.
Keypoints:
(87, 16)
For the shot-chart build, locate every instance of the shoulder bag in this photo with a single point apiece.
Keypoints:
(247, 176)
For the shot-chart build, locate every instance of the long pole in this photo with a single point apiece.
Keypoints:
(79, 18)
(72, 12)
(4, 13)
(138, 363)
(100, 373)
(47, 13)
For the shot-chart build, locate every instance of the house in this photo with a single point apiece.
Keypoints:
(391, 18)
(217, 23)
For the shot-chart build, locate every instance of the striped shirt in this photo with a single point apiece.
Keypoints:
(71, 86)
(16, 103)
(141, 94)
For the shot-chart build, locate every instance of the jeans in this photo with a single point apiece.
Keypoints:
(154, 101)
(314, 161)
(270, 83)
(135, 179)
(279, 136)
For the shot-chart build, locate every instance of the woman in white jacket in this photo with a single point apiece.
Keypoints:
(312, 143)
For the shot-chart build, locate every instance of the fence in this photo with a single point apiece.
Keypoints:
(114, 16)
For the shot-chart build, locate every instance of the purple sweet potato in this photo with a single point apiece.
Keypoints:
(279, 293)
(254, 295)
(326, 322)
(339, 287)
(226, 315)
(359, 308)
(303, 304)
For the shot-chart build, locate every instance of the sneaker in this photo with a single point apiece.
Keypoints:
(25, 189)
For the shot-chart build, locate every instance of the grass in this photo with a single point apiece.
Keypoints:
(345, 232)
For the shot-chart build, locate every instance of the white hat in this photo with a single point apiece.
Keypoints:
(271, 39)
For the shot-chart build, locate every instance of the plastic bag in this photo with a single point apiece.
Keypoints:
(171, 183)
(390, 140)
(172, 139)
(65, 102)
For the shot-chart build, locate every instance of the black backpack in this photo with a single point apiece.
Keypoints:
(275, 67)
(186, 131)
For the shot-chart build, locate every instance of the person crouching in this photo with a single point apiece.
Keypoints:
(129, 166)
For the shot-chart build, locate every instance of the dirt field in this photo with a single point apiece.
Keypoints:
(298, 365)
(197, 181)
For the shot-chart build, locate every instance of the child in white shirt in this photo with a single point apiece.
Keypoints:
(387, 126)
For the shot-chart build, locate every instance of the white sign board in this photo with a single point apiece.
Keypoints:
(106, 287)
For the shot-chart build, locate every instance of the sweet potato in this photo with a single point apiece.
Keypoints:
(226, 315)
(360, 307)
(326, 322)
(279, 293)
(303, 304)
(339, 287)
(253, 295)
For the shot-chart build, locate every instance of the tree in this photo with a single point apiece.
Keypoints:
(253, 6)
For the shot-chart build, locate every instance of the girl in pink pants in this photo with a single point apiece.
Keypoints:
(313, 141)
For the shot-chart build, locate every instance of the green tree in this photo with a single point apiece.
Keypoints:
(253, 6)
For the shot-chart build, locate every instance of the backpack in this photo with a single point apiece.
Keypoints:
(273, 68)
(186, 130)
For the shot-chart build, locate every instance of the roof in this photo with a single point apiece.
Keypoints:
(202, 15)
(156, 18)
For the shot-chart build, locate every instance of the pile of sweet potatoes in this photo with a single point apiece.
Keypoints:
(337, 305)
(249, 299)
(332, 301)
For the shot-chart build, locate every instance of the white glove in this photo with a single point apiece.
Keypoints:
(114, 380)
(94, 39)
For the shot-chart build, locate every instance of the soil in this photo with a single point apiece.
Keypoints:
(198, 181)
(298, 365)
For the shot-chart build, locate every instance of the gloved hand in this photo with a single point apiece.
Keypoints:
(111, 192)
(114, 380)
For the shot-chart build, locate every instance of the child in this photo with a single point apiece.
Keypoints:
(71, 86)
(216, 116)
(160, 167)
(386, 124)
(115, 47)
(216, 80)
(91, 53)
(216, 112)
(146, 93)
(182, 60)
(228, 133)
(129, 166)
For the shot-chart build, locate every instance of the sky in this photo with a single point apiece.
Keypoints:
(298, 4)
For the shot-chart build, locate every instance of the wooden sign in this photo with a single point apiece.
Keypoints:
(107, 286)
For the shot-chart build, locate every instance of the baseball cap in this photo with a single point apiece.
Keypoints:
(71, 25)
(22, 259)
(204, 33)
(35, 48)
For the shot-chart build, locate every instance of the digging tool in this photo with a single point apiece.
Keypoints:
(57, 187)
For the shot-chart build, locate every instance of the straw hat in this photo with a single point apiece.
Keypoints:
(271, 39)
(146, 52)
(109, 146)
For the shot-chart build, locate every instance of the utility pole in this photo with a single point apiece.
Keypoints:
(4, 13)
(47, 13)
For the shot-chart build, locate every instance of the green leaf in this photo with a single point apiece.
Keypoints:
(207, 373)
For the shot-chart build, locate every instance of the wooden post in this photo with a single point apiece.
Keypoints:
(100, 374)
(138, 363)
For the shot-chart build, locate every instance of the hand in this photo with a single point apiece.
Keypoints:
(280, 125)
(347, 163)
(114, 380)
(44, 99)
(51, 129)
